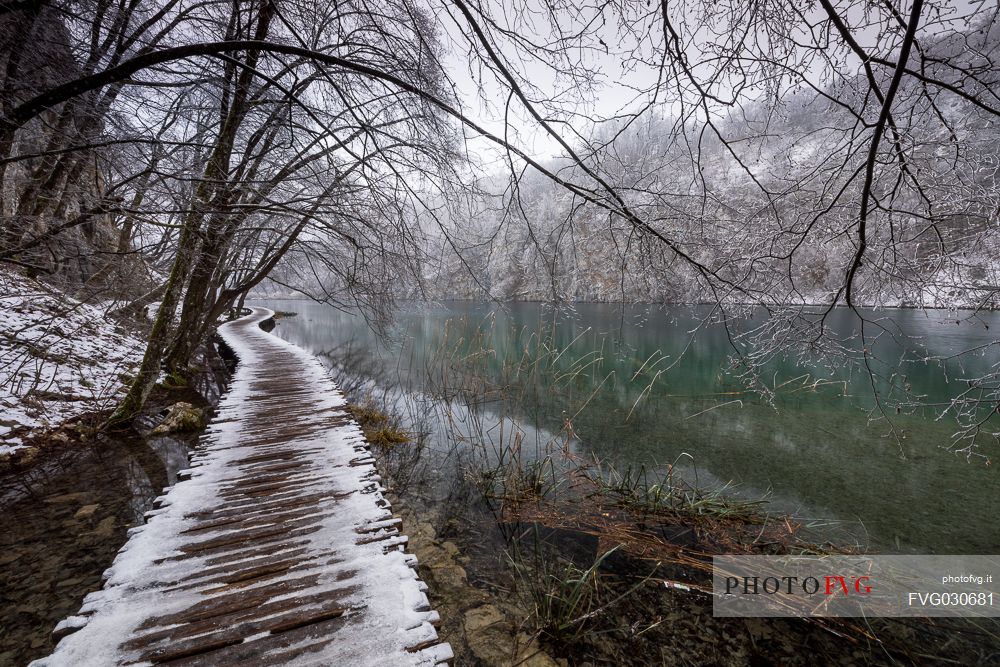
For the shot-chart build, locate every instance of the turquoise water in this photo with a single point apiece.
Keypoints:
(645, 386)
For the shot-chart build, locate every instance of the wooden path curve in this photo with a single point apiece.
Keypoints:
(278, 547)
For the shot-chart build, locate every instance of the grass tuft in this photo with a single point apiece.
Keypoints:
(378, 426)
(561, 596)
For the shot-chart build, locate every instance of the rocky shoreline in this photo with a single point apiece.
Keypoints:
(481, 628)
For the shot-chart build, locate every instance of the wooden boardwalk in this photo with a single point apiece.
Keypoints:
(276, 549)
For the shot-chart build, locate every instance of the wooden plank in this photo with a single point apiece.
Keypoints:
(277, 546)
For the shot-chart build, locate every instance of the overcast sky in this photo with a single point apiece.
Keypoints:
(616, 90)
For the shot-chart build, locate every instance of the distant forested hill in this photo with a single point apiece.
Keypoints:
(768, 197)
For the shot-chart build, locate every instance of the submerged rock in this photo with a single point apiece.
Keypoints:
(75, 497)
(105, 528)
(86, 511)
(480, 618)
(181, 417)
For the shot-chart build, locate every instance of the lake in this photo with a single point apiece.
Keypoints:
(636, 387)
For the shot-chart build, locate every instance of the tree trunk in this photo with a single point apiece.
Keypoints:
(145, 379)
(196, 305)
(209, 195)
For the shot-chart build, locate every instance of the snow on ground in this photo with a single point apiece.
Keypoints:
(59, 358)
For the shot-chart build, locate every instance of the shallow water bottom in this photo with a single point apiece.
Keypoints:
(64, 521)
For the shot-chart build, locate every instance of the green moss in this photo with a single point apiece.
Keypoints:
(175, 380)
(182, 417)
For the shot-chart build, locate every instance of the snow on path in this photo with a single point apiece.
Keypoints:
(278, 550)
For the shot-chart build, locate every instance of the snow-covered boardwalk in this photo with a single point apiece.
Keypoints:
(279, 549)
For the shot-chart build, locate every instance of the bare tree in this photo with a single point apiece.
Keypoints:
(764, 155)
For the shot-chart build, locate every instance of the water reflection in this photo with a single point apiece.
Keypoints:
(605, 369)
